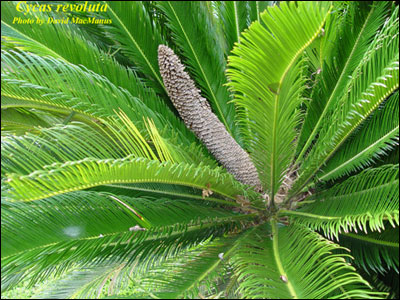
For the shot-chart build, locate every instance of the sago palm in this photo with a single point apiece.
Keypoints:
(202, 149)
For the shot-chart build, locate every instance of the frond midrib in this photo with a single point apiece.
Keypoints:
(55, 107)
(274, 226)
(371, 240)
(276, 100)
(285, 212)
(343, 139)
(125, 181)
(361, 152)
(236, 21)
(212, 199)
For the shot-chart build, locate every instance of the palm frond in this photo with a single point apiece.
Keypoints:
(133, 245)
(378, 136)
(363, 201)
(68, 43)
(294, 262)
(50, 84)
(83, 283)
(257, 7)
(77, 141)
(264, 74)
(349, 33)
(59, 178)
(89, 214)
(165, 190)
(374, 252)
(18, 121)
(137, 37)
(372, 81)
(194, 32)
(234, 16)
(51, 81)
(190, 274)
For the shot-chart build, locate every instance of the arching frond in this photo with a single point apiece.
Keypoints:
(363, 201)
(295, 263)
(372, 81)
(264, 72)
(18, 121)
(136, 245)
(68, 43)
(116, 138)
(377, 137)
(168, 190)
(50, 84)
(51, 81)
(59, 178)
(194, 32)
(348, 34)
(234, 16)
(190, 274)
(374, 252)
(89, 214)
(137, 36)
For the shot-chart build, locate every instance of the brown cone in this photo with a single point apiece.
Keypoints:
(197, 115)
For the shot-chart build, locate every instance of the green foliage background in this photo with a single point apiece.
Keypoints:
(106, 192)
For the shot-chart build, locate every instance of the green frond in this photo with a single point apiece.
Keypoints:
(348, 34)
(32, 151)
(371, 82)
(101, 241)
(375, 139)
(257, 7)
(137, 37)
(387, 283)
(189, 275)
(75, 141)
(89, 214)
(234, 17)
(363, 202)
(295, 263)
(195, 34)
(81, 283)
(68, 43)
(374, 252)
(166, 190)
(59, 178)
(264, 72)
(50, 84)
(18, 121)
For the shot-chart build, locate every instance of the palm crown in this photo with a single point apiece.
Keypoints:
(119, 178)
